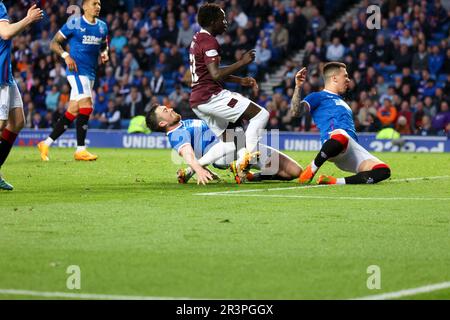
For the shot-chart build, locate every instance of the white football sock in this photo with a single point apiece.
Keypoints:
(252, 134)
(48, 141)
(314, 167)
(340, 181)
(216, 152)
(82, 148)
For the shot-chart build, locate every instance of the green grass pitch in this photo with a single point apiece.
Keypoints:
(133, 231)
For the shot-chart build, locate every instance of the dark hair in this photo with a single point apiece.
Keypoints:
(331, 67)
(151, 119)
(208, 14)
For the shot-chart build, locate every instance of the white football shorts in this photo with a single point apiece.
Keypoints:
(10, 98)
(222, 109)
(353, 156)
(81, 87)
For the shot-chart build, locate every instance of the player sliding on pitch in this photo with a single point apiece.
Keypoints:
(334, 119)
(87, 37)
(197, 144)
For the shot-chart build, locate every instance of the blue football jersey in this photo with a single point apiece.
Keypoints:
(85, 40)
(194, 132)
(330, 112)
(6, 76)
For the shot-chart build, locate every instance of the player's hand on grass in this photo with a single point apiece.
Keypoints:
(34, 14)
(300, 77)
(249, 56)
(249, 82)
(203, 176)
(71, 64)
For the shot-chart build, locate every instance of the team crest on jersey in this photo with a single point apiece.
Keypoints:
(102, 29)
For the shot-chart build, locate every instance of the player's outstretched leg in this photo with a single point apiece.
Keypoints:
(331, 148)
(378, 173)
(257, 118)
(61, 126)
(82, 126)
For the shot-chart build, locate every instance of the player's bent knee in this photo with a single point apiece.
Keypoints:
(341, 138)
(381, 172)
(86, 111)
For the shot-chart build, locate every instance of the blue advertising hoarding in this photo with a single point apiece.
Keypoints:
(290, 141)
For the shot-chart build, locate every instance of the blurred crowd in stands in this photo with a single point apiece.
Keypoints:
(400, 72)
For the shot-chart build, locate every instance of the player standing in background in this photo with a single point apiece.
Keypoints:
(87, 37)
(12, 118)
(209, 100)
(334, 118)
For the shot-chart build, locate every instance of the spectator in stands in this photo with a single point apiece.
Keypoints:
(185, 32)
(52, 99)
(403, 58)
(170, 31)
(111, 118)
(263, 56)
(280, 40)
(446, 66)
(118, 41)
(335, 51)
(387, 114)
(420, 59)
(134, 105)
(38, 122)
(374, 123)
(157, 83)
(402, 126)
(436, 61)
(426, 128)
(441, 119)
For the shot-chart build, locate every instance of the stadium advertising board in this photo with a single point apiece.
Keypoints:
(288, 141)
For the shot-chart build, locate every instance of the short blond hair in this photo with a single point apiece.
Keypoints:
(330, 69)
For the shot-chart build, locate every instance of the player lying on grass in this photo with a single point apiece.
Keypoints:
(334, 119)
(199, 147)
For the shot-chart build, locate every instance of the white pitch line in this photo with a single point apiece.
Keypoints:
(329, 197)
(219, 193)
(91, 296)
(408, 292)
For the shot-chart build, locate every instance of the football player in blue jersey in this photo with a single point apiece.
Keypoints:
(334, 119)
(87, 37)
(198, 145)
(12, 118)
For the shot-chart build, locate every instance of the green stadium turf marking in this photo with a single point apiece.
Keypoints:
(90, 296)
(332, 198)
(407, 292)
(221, 193)
(93, 296)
